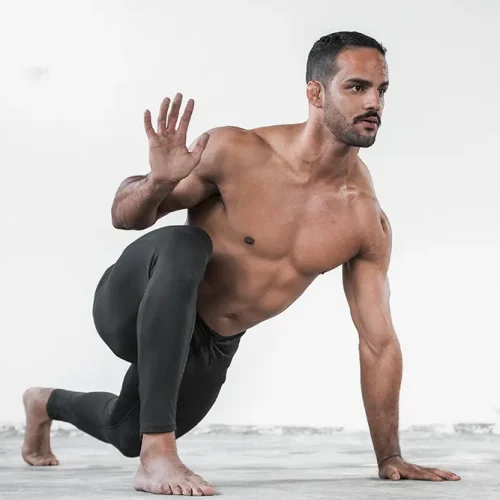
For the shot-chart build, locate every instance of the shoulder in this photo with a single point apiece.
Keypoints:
(376, 230)
(262, 142)
(231, 147)
(227, 149)
(233, 139)
(276, 139)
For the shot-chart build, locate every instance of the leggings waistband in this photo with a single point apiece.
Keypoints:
(214, 334)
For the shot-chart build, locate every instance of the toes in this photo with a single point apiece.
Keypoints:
(34, 460)
(197, 491)
(186, 489)
(45, 461)
(207, 489)
(176, 489)
(165, 489)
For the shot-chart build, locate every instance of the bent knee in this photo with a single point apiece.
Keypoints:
(185, 248)
(190, 237)
(129, 446)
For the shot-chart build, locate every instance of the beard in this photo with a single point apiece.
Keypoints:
(345, 131)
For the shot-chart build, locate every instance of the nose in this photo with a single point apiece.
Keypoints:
(373, 100)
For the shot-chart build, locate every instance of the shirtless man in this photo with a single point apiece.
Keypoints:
(269, 210)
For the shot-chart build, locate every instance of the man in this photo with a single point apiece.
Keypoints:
(268, 211)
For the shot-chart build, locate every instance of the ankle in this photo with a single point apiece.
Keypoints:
(158, 444)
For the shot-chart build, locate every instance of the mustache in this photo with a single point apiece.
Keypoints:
(371, 114)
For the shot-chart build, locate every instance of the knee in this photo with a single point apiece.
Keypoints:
(128, 446)
(131, 447)
(191, 237)
(185, 248)
(204, 242)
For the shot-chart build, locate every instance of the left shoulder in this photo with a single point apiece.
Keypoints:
(375, 226)
(376, 230)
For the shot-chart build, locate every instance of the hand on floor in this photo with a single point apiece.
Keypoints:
(395, 468)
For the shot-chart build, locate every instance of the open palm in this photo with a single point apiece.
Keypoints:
(169, 158)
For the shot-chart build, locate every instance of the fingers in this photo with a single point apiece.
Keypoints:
(411, 472)
(162, 116)
(148, 127)
(444, 474)
(186, 117)
(168, 125)
(174, 113)
(422, 475)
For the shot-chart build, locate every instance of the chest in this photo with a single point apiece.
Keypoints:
(314, 227)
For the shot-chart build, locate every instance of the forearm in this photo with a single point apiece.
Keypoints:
(381, 374)
(136, 202)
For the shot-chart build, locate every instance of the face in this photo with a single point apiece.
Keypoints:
(354, 101)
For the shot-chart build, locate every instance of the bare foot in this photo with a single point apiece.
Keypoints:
(162, 472)
(36, 447)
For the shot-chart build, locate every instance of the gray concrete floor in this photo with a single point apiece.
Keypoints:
(240, 466)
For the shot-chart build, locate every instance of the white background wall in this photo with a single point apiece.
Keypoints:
(75, 78)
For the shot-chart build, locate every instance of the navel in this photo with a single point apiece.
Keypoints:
(249, 241)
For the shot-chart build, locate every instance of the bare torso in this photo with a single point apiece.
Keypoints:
(274, 232)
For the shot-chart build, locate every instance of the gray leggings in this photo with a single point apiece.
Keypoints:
(145, 311)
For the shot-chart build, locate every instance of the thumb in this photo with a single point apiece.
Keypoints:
(201, 144)
(389, 472)
(394, 475)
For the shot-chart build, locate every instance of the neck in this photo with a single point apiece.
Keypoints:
(318, 152)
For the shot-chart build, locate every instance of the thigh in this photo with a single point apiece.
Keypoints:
(118, 296)
(175, 255)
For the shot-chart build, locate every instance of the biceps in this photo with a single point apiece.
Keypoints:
(374, 325)
(368, 298)
(372, 315)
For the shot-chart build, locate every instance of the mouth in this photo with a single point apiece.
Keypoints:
(369, 122)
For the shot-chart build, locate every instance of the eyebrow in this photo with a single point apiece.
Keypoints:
(367, 83)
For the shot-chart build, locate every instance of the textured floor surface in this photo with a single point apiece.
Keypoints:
(253, 466)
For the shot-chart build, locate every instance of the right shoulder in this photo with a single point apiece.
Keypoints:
(230, 147)
(230, 139)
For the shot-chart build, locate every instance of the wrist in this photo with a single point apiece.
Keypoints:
(395, 455)
(161, 184)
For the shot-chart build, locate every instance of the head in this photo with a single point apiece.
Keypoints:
(347, 77)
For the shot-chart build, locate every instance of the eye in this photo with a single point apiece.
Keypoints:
(358, 88)
(382, 91)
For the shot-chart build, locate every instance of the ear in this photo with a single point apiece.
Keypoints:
(315, 92)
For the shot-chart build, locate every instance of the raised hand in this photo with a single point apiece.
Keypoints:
(169, 158)
(395, 468)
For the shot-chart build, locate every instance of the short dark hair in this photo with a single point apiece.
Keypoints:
(324, 53)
